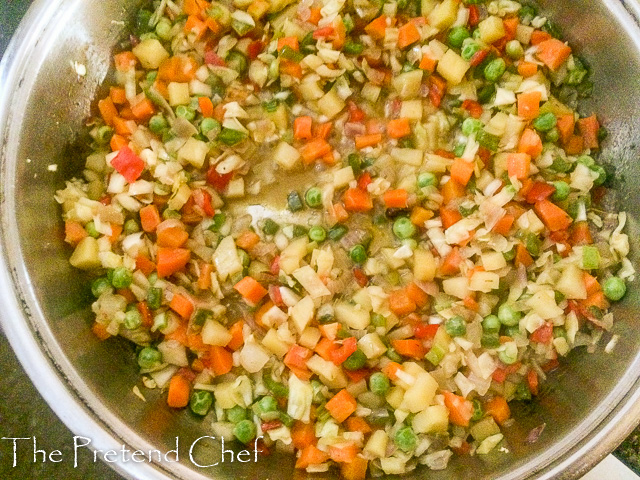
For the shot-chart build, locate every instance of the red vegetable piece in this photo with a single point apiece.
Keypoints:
(128, 164)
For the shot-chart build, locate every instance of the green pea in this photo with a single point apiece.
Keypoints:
(104, 134)
(602, 174)
(509, 255)
(208, 125)
(614, 288)
(230, 137)
(403, 228)
(270, 227)
(154, 298)
(508, 316)
(478, 411)
(317, 234)
(562, 190)
(313, 197)
(457, 35)
(522, 392)
(545, 122)
(427, 179)
(586, 160)
(514, 49)
(163, 29)
(471, 126)
(245, 431)
(131, 226)
(533, 244)
(149, 358)
(358, 254)
(201, 402)
(459, 149)
(394, 356)
(185, 112)
(512, 331)
(456, 326)
(353, 48)
(294, 202)
(219, 220)
(560, 332)
(91, 229)
(561, 165)
(122, 277)
(236, 414)
(379, 383)
(405, 439)
(337, 232)
(132, 319)
(157, 123)
(495, 69)
(299, 231)
(469, 50)
(508, 353)
(490, 340)
(355, 361)
(100, 285)
(267, 404)
(491, 324)
(552, 135)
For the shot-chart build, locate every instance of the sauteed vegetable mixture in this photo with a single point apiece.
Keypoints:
(357, 229)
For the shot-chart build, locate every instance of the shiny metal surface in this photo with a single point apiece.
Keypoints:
(589, 405)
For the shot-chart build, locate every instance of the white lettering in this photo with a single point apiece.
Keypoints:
(15, 447)
(193, 446)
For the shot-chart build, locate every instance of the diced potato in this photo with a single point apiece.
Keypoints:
(377, 444)
(408, 84)
(529, 221)
(343, 176)
(253, 357)
(411, 109)
(213, 333)
(452, 67)
(178, 93)
(173, 352)
(177, 201)
(310, 281)
(393, 465)
(286, 156)
(571, 283)
(310, 337)
(394, 396)
(330, 374)
(235, 189)
(484, 282)
(85, 255)
(424, 265)
(151, 53)
(410, 156)
(561, 345)
(371, 345)
(484, 428)
(274, 317)
(280, 117)
(331, 104)
(371, 92)
(544, 304)
(444, 14)
(194, 152)
(302, 313)
(420, 395)
(456, 286)
(292, 255)
(493, 261)
(226, 258)
(275, 344)
(433, 419)
(352, 316)
(393, 262)
(489, 444)
(427, 6)
(310, 90)
(491, 29)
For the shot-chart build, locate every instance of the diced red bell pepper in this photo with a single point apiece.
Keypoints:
(202, 198)
(349, 345)
(217, 181)
(539, 191)
(128, 164)
(424, 331)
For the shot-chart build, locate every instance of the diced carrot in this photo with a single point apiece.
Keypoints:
(74, 232)
(427, 63)
(118, 95)
(297, 357)
(460, 409)
(589, 127)
(179, 68)
(100, 331)
(522, 256)
(117, 142)
(498, 408)
(408, 34)
(182, 306)
(179, 334)
(195, 343)
(391, 370)
(596, 299)
(566, 125)
(108, 110)
(591, 284)
(340, 213)
(510, 25)
(532, 381)
(518, 165)
(449, 217)
(237, 338)
(461, 171)
(574, 145)
(250, 290)
(376, 29)
(218, 113)
(409, 347)
(527, 69)
(543, 334)
(354, 470)
(122, 126)
(214, 26)
(170, 260)
(357, 424)
(474, 108)
(261, 311)
(206, 106)
(291, 68)
(325, 346)
(143, 308)
(357, 200)
(398, 128)
(437, 89)
(400, 303)
(580, 234)
(344, 452)
(451, 264)
(302, 128)
(172, 237)
(552, 216)
(396, 198)
(503, 226)
(220, 360)
(530, 143)
(204, 279)
(194, 7)
(419, 296)
(314, 16)
(322, 130)
(179, 392)
(311, 455)
(471, 303)
(419, 215)
(363, 141)
(529, 104)
(314, 149)
(341, 405)
(149, 218)
(291, 42)
(553, 53)
(303, 435)
(125, 61)
(195, 26)
(538, 36)
(126, 113)
(451, 191)
(247, 240)
(116, 230)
